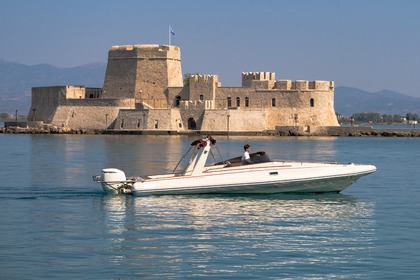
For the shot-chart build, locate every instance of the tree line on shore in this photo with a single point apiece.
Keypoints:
(373, 117)
(9, 117)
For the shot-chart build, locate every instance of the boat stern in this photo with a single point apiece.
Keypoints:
(113, 181)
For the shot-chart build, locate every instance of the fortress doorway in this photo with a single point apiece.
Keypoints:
(191, 124)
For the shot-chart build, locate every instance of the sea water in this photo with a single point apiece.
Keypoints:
(56, 223)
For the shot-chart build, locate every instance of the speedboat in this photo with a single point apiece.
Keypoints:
(261, 176)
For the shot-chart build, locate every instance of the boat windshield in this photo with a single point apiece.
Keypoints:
(258, 157)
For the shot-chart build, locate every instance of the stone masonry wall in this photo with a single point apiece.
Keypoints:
(89, 113)
(85, 117)
(234, 120)
(44, 102)
(142, 71)
(204, 86)
(159, 119)
(254, 79)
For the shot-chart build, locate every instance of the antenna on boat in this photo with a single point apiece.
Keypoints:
(220, 154)
(186, 153)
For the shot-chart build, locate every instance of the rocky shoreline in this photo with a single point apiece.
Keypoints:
(279, 131)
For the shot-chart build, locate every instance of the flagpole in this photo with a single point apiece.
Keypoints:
(169, 35)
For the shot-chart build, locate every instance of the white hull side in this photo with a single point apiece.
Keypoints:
(260, 179)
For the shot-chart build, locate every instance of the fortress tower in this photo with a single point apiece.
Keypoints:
(142, 72)
(203, 87)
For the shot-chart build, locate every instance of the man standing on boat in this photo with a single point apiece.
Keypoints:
(246, 159)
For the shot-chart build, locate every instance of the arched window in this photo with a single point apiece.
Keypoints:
(246, 102)
(238, 102)
(201, 97)
(273, 102)
(312, 102)
(229, 102)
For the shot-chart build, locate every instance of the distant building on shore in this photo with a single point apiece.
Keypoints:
(144, 90)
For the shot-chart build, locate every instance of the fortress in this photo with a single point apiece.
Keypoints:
(144, 90)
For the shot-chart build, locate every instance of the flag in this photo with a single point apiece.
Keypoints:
(171, 30)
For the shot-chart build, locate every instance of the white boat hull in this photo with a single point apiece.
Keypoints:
(263, 178)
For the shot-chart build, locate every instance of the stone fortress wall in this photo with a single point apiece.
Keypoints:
(75, 107)
(144, 90)
(142, 71)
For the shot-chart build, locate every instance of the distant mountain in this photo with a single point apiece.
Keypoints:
(16, 81)
(348, 100)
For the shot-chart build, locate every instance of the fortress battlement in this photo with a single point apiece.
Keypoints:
(258, 80)
(196, 78)
(305, 85)
(259, 76)
(144, 52)
(203, 87)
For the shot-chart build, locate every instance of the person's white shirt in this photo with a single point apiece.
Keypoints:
(246, 158)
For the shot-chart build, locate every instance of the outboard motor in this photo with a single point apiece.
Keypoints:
(114, 181)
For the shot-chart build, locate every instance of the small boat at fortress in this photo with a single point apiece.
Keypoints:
(262, 176)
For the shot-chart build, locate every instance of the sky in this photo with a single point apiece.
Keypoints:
(368, 44)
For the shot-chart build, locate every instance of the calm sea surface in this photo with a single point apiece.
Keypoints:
(56, 223)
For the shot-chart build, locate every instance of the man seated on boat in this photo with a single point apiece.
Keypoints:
(246, 159)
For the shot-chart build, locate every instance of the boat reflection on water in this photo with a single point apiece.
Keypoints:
(275, 233)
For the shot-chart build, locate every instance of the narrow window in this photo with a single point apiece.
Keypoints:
(138, 123)
(312, 102)
(177, 101)
(238, 102)
(229, 102)
(273, 102)
(246, 102)
(201, 97)
(156, 124)
(122, 123)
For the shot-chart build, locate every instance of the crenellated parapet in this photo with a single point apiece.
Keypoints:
(204, 79)
(304, 85)
(203, 87)
(258, 76)
(144, 52)
(196, 104)
(258, 80)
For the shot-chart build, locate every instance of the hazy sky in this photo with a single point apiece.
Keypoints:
(368, 44)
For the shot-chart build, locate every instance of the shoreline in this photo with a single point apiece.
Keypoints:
(340, 131)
